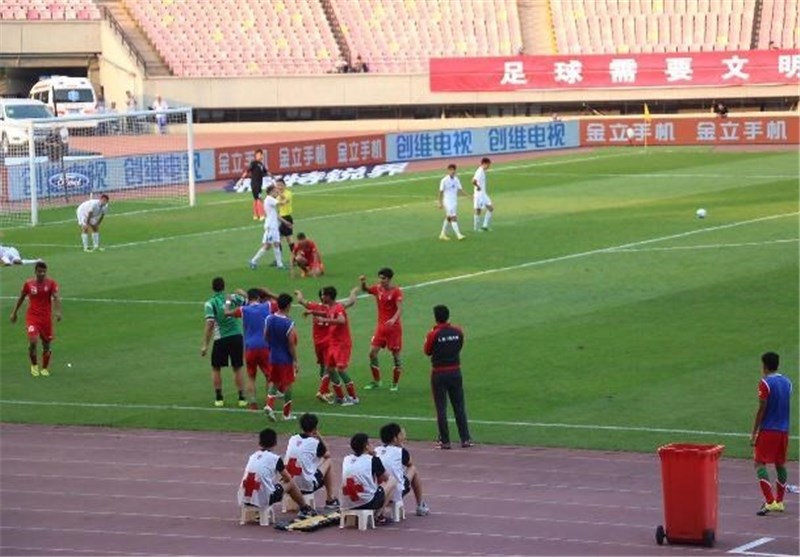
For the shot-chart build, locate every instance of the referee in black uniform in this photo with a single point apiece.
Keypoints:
(257, 170)
(443, 344)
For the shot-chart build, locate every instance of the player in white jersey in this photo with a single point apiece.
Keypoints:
(271, 238)
(481, 197)
(397, 461)
(449, 190)
(265, 478)
(309, 462)
(365, 481)
(90, 214)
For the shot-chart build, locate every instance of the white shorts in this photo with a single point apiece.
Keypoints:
(271, 236)
(450, 209)
(481, 200)
(84, 220)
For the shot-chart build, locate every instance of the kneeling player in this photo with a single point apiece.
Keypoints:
(306, 257)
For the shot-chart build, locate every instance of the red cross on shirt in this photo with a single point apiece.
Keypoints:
(293, 468)
(250, 484)
(351, 488)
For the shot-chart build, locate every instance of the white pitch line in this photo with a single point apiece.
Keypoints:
(658, 175)
(709, 246)
(745, 549)
(503, 423)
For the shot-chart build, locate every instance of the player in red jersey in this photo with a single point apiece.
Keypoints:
(42, 294)
(306, 257)
(320, 332)
(389, 329)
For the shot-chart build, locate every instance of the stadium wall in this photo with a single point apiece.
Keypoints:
(49, 39)
(119, 71)
(376, 89)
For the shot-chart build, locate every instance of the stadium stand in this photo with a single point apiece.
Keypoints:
(238, 37)
(401, 35)
(595, 26)
(49, 10)
(780, 24)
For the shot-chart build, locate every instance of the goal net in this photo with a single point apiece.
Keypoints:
(142, 160)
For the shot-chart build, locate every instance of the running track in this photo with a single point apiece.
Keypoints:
(98, 491)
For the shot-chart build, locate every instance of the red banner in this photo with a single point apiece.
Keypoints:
(760, 130)
(616, 71)
(302, 156)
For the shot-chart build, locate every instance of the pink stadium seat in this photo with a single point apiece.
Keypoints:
(47, 9)
(670, 25)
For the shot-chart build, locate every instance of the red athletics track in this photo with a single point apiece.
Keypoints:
(75, 490)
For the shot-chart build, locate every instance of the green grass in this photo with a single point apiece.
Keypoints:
(569, 342)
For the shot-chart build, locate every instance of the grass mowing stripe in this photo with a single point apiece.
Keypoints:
(505, 423)
(363, 185)
(708, 246)
(628, 247)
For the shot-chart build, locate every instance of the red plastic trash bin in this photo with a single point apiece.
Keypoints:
(690, 482)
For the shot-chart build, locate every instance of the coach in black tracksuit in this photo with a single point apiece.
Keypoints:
(443, 344)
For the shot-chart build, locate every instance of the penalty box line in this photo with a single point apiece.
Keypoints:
(630, 246)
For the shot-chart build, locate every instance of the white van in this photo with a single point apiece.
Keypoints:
(15, 116)
(66, 96)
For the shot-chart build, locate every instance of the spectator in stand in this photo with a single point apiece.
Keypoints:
(342, 66)
(720, 109)
(359, 66)
(772, 46)
(130, 106)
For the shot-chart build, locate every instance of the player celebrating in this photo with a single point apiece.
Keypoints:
(306, 256)
(281, 338)
(257, 170)
(42, 294)
(480, 197)
(90, 215)
(388, 330)
(449, 190)
(271, 238)
(256, 353)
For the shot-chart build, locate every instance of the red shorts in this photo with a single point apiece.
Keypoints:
(255, 359)
(39, 329)
(320, 348)
(771, 447)
(282, 376)
(338, 356)
(390, 337)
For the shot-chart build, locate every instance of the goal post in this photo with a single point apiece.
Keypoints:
(144, 159)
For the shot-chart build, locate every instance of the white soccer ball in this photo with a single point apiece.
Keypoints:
(701, 213)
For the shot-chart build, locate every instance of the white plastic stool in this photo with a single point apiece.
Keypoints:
(266, 515)
(288, 504)
(364, 518)
(398, 511)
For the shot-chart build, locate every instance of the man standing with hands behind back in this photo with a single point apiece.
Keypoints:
(443, 344)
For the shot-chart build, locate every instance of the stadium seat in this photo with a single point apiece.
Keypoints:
(364, 518)
(398, 511)
(266, 515)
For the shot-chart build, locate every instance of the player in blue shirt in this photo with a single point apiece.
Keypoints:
(770, 437)
(281, 338)
(256, 353)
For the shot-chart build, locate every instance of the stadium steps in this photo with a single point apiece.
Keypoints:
(154, 64)
(535, 26)
(333, 22)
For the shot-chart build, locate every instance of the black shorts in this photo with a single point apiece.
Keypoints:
(377, 501)
(406, 486)
(285, 230)
(255, 189)
(228, 349)
(318, 483)
(277, 495)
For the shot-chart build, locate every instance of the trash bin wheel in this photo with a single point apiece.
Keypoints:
(660, 535)
(708, 538)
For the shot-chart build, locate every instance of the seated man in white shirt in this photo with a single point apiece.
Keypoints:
(265, 478)
(397, 461)
(308, 461)
(365, 481)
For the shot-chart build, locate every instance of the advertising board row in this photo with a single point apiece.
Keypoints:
(312, 161)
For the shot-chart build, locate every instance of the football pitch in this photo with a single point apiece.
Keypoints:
(599, 312)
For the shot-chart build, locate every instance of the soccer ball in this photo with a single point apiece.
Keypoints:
(701, 213)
